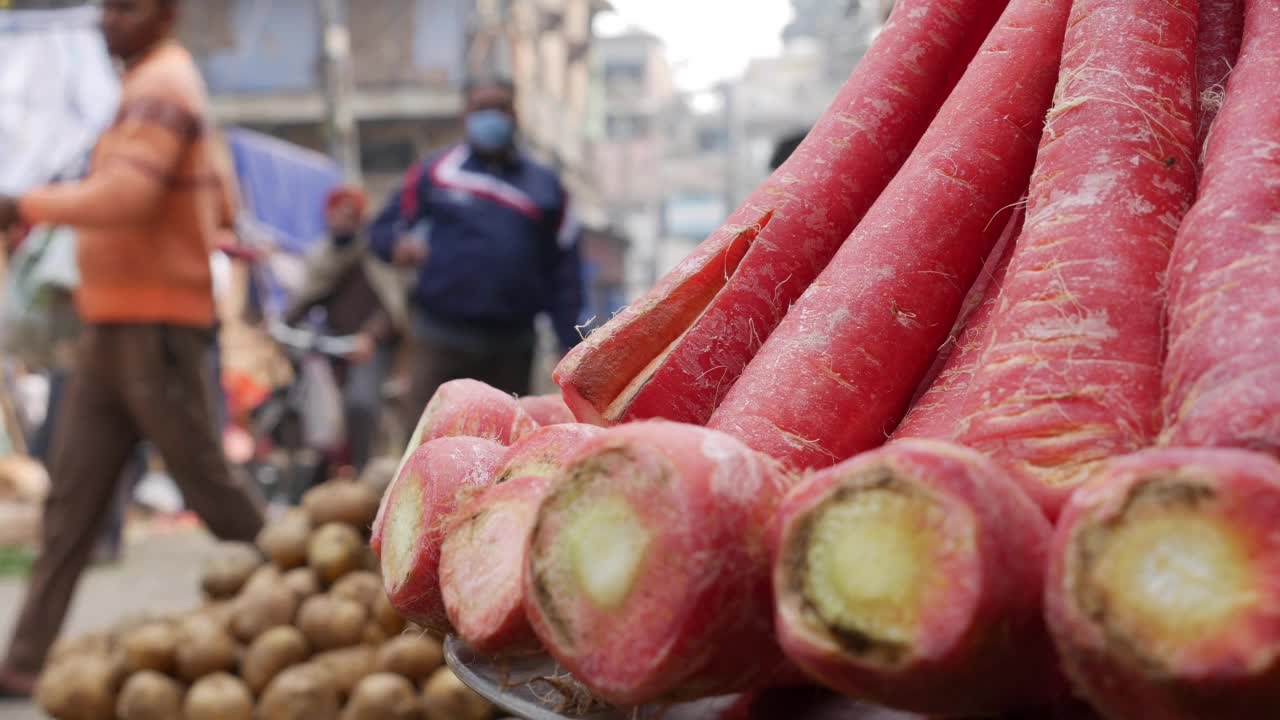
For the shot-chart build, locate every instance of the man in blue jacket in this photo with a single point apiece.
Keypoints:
(503, 248)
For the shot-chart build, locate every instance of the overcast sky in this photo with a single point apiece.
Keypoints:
(707, 40)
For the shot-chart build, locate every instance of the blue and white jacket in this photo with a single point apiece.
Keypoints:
(503, 244)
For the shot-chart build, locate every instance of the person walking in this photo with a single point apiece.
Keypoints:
(361, 296)
(503, 248)
(147, 217)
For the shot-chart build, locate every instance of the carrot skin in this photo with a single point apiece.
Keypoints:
(677, 351)
(470, 408)
(414, 520)
(547, 409)
(1070, 373)
(858, 343)
(1218, 46)
(482, 559)
(1223, 367)
(684, 608)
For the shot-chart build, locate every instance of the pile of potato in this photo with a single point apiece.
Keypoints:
(295, 627)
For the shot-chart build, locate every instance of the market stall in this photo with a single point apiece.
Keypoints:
(968, 412)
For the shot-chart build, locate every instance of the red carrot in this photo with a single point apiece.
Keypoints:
(469, 408)
(1070, 373)
(912, 576)
(937, 411)
(677, 351)
(414, 520)
(1164, 586)
(838, 373)
(647, 575)
(547, 409)
(950, 660)
(1220, 35)
(482, 560)
(1222, 377)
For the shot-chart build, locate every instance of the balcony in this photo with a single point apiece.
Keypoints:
(308, 107)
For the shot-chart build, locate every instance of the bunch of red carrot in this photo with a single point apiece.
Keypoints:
(971, 408)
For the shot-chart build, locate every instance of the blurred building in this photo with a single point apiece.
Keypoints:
(843, 29)
(776, 97)
(264, 62)
(636, 92)
(779, 98)
(268, 65)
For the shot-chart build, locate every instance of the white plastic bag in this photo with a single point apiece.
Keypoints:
(58, 90)
(323, 426)
(37, 311)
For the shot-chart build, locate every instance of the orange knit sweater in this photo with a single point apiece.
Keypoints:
(158, 195)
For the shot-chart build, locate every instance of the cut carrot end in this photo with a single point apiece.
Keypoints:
(1167, 577)
(487, 565)
(601, 549)
(605, 546)
(867, 563)
(402, 532)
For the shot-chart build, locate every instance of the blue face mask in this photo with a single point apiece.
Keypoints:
(490, 131)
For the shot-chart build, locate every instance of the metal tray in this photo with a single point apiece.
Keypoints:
(535, 688)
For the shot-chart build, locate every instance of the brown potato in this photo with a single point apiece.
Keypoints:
(274, 651)
(150, 647)
(218, 612)
(91, 644)
(369, 560)
(228, 568)
(303, 582)
(384, 696)
(302, 692)
(387, 617)
(218, 697)
(347, 667)
(261, 609)
(350, 503)
(203, 649)
(362, 586)
(330, 623)
(378, 474)
(373, 634)
(78, 688)
(285, 542)
(333, 551)
(266, 576)
(415, 657)
(149, 695)
(446, 697)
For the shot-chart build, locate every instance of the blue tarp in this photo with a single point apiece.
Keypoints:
(283, 187)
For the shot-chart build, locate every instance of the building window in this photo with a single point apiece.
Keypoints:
(627, 127)
(206, 27)
(382, 37)
(623, 71)
(712, 139)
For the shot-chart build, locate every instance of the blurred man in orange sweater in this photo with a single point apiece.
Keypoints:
(147, 218)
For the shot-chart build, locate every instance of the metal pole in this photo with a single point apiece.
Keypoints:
(339, 89)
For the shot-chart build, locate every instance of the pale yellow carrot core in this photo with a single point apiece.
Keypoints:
(869, 561)
(605, 546)
(1170, 580)
(400, 532)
